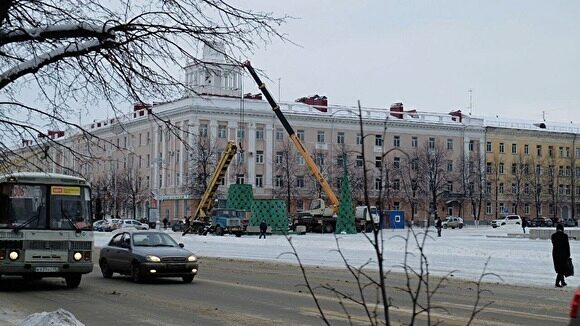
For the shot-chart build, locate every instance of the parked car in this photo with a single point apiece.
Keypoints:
(129, 223)
(452, 222)
(178, 225)
(147, 254)
(98, 225)
(507, 220)
(540, 222)
(110, 225)
(569, 222)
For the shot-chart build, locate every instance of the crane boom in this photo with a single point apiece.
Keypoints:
(297, 143)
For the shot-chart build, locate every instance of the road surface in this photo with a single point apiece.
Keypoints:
(232, 292)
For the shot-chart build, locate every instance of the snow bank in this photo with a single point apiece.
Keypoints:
(516, 260)
(58, 317)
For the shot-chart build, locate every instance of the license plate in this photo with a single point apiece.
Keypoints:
(46, 269)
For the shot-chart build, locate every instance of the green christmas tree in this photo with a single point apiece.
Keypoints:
(345, 220)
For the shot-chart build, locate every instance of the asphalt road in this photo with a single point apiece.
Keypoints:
(230, 292)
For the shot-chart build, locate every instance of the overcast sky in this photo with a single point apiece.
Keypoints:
(519, 57)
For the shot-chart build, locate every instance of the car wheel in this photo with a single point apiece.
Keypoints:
(219, 230)
(105, 269)
(445, 226)
(238, 234)
(328, 228)
(136, 274)
(461, 226)
(188, 278)
(73, 280)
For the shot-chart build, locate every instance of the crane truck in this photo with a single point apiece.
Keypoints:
(320, 216)
(221, 220)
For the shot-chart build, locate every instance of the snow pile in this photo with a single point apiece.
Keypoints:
(517, 260)
(58, 317)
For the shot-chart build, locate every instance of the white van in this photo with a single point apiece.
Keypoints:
(364, 219)
(507, 220)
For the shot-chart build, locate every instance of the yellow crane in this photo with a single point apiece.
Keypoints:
(200, 217)
(320, 214)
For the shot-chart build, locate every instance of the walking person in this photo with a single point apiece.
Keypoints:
(560, 254)
(524, 224)
(263, 229)
(165, 221)
(439, 226)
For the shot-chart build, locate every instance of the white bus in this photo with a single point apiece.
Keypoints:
(45, 226)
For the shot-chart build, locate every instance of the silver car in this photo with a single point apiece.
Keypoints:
(147, 254)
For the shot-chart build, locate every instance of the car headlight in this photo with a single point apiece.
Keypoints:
(191, 258)
(154, 259)
(77, 256)
(13, 255)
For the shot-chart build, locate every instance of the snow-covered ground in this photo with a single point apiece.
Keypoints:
(516, 260)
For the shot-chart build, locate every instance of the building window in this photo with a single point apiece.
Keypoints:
(514, 168)
(279, 134)
(222, 131)
(396, 206)
(501, 147)
(514, 188)
(359, 139)
(378, 161)
(396, 141)
(577, 152)
(378, 140)
(259, 133)
(527, 209)
(359, 160)
(526, 188)
(259, 157)
(488, 187)
(501, 168)
(488, 147)
(300, 181)
(550, 151)
(500, 189)
(319, 159)
(340, 137)
(259, 181)
(488, 167)
(561, 150)
(300, 135)
(450, 166)
(241, 157)
(450, 186)
(203, 130)
(414, 142)
(431, 143)
(320, 137)
(514, 148)
(339, 160)
(241, 133)
(378, 183)
(527, 149)
(278, 158)
(299, 205)
(397, 162)
(396, 184)
(240, 179)
(471, 143)
(539, 150)
(299, 159)
(450, 144)
(279, 182)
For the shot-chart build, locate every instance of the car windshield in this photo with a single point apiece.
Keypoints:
(152, 239)
(69, 208)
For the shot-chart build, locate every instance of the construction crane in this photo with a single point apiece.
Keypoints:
(200, 218)
(319, 215)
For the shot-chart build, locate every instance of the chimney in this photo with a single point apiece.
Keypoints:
(456, 115)
(397, 107)
(318, 102)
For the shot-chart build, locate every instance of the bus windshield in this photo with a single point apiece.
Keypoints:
(32, 206)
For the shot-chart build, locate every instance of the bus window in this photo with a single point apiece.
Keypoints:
(22, 206)
(69, 209)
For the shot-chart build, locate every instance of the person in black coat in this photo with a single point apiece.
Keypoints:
(263, 229)
(524, 224)
(439, 226)
(560, 254)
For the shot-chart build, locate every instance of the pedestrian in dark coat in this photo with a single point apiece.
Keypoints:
(524, 224)
(560, 254)
(263, 229)
(439, 226)
(165, 221)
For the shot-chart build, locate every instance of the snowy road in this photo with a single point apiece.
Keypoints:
(516, 260)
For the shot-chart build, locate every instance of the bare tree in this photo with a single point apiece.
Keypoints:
(433, 163)
(411, 181)
(286, 170)
(473, 185)
(203, 157)
(75, 55)
(130, 185)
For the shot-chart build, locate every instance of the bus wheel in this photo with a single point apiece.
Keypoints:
(73, 280)
(328, 228)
